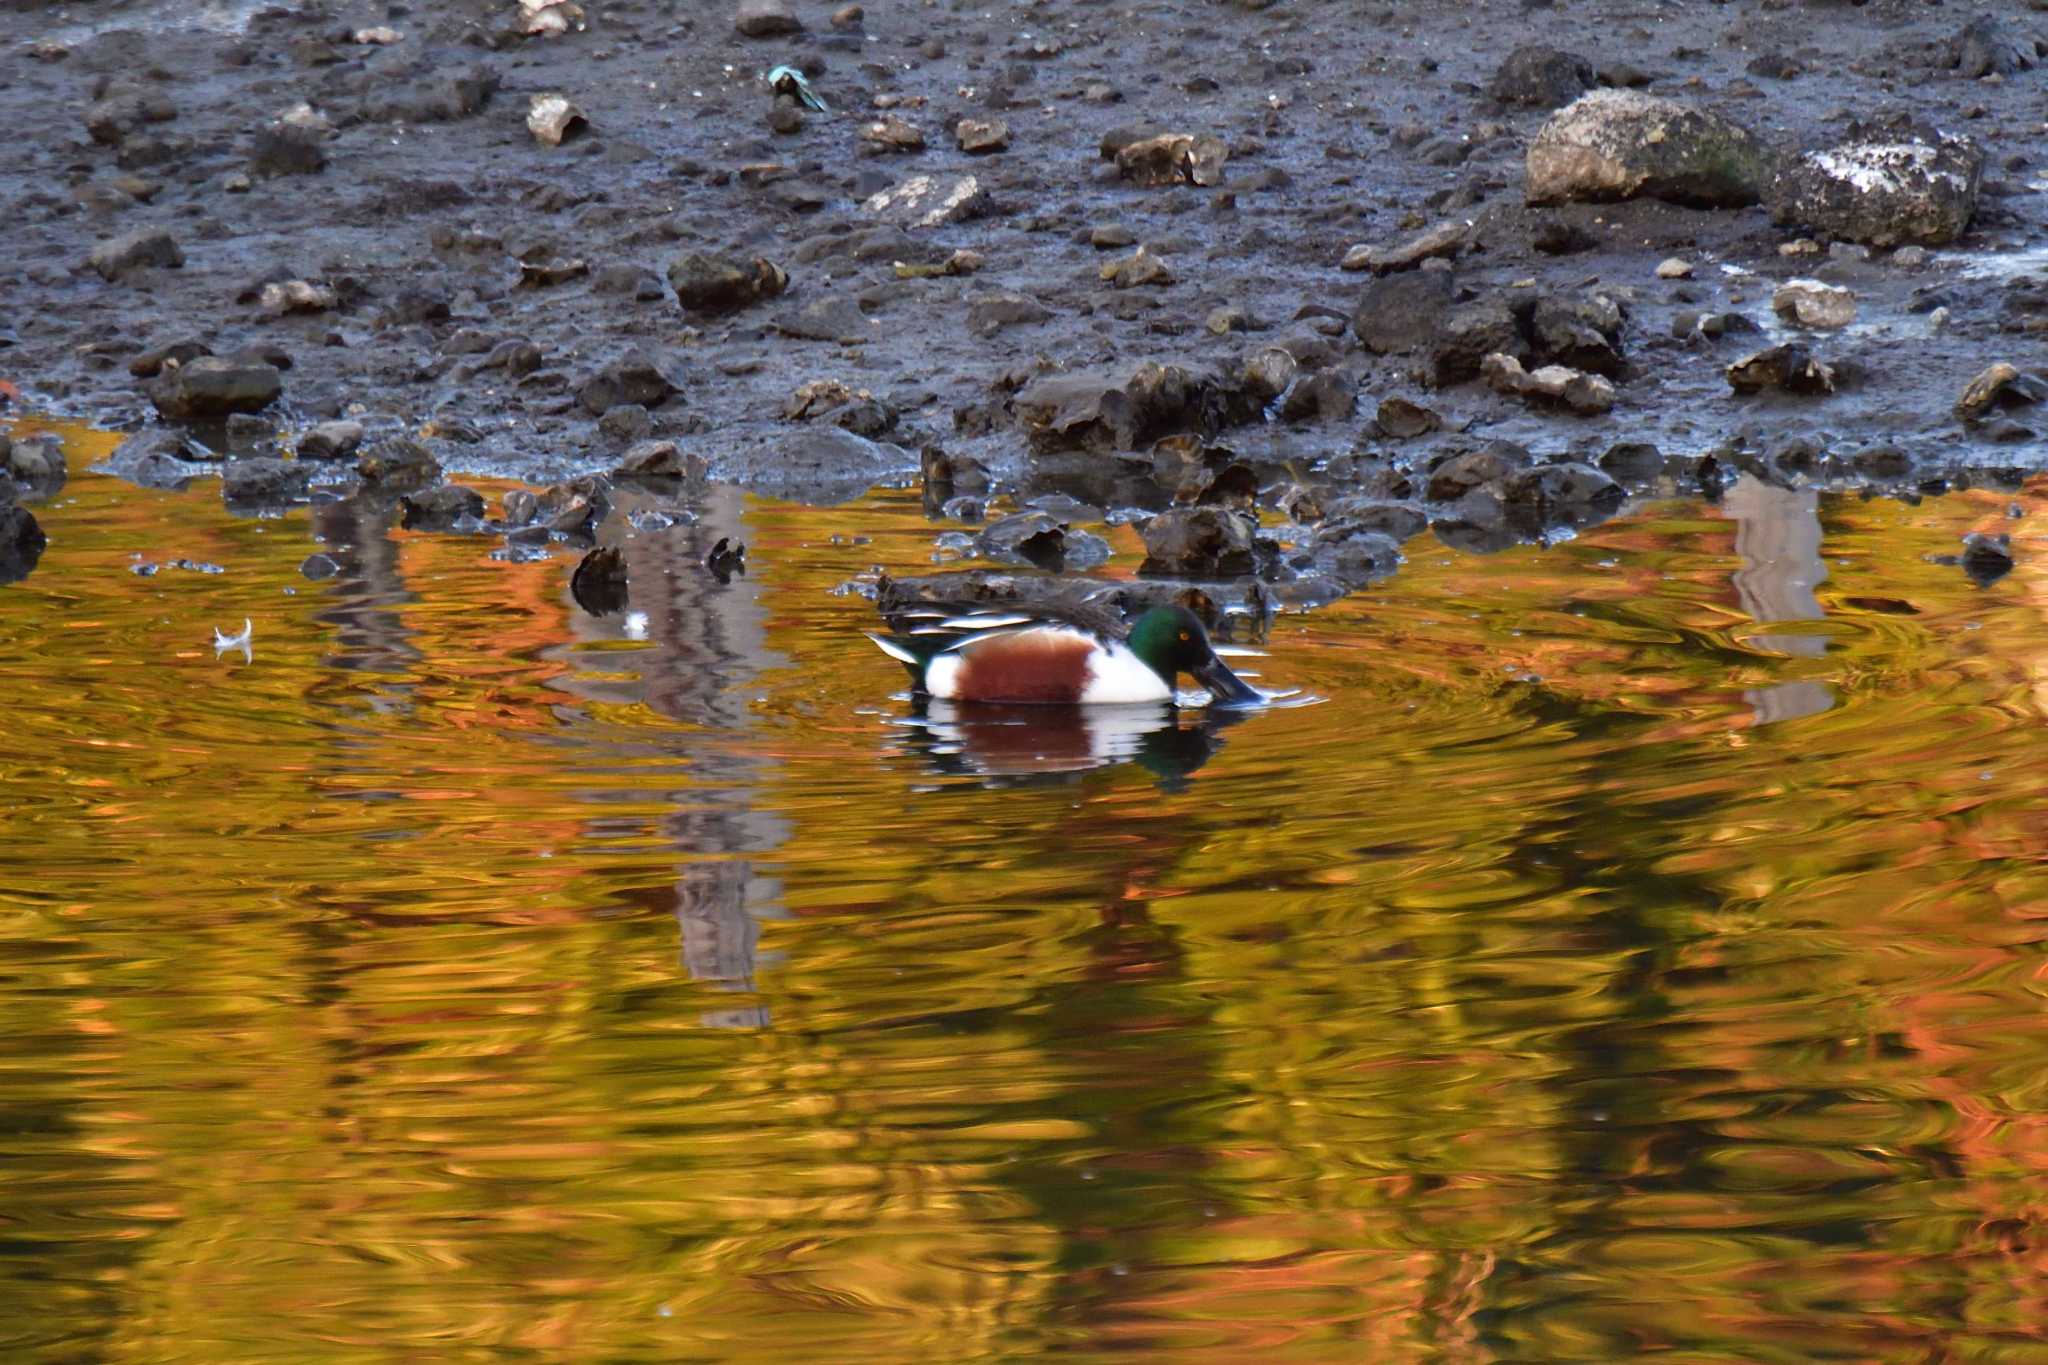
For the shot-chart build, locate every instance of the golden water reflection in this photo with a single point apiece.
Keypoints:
(1638, 950)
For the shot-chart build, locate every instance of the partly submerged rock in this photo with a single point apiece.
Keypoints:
(21, 543)
(210, 387)
(2001, 385)
(1204, 541)
(1789, 367)
(1042, 540)
(1622, 144)
(399, 465)
(816, 465)
(1810, 303)
(1882, 189)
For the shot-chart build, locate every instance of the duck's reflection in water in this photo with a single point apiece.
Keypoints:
(1021, 745)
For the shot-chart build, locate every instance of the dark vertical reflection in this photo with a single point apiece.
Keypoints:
(1778, 536)
(706, 644)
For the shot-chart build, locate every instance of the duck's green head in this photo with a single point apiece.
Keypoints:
(1171, 641)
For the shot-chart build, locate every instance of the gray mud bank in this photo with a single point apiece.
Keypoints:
(1287, 282)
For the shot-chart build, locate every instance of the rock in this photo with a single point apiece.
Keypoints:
(1558, 495)
(1325, 396)
(1136, 270)
(430, 95)
(1173, 159)
(553, 119)
(1986, 558)
(718, 284)
(1674, 268)
(1789, 367)
(125, 110)
(36, 463)
(988, 314)
(2001, 384)
(632, 378)
(1398, 315)
(1269, 370)
(282, 148)
(1199, 542)
(1987, 47)
(785, 118)
(1399, 419)
(820, 466)
(625, 423)
(1541, 77)
(264, 482)
(928, 201)
(660, 460)
(600, 583)
(145, 249)
(1621, 144)
(150, 363)
(827, 319)
(1632, 461)
(281, 297)
(211, 387)
(154, 459)
(848, 18)
(1354, 554)
(1091, 411)
(766, 18)
(1882, 190)
(980, 136)
(1586, 394)
(892, 134)
(1459, 474)
(447, 508)
(1809, 303)
(330, 441)
(1583, 333)
(21, 543)
(1445, 240)
(1111, 236)
(1043, 541)
(399, 466)
(1466, 334)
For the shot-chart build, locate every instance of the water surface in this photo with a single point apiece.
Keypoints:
(1637, 951)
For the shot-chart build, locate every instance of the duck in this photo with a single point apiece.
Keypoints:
(1042, 655)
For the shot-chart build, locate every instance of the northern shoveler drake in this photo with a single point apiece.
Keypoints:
(1036, 655)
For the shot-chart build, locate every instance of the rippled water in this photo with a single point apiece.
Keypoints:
(1638, 950)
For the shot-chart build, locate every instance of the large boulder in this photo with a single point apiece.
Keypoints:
(1622, 144)
(1882, 189)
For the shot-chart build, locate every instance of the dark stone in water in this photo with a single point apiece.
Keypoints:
(21, 543)
(599, 583)
(1986, 558)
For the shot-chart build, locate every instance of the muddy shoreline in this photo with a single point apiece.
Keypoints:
(353, 194)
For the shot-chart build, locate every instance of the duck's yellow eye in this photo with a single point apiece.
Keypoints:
(1185, 637)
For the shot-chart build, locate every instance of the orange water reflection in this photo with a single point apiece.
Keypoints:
(1637, 950)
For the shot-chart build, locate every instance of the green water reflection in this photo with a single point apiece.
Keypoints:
(1637, 951)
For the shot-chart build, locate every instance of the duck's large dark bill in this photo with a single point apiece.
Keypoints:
(1225, 685)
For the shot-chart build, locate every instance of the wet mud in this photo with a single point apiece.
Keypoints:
(1263, 275)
